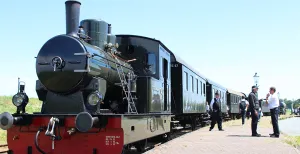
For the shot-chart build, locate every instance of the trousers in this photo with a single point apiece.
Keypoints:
(243, 114)
(274, 117)
(216, 117)
(254, 122)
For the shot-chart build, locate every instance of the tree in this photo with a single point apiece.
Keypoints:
(296, 103)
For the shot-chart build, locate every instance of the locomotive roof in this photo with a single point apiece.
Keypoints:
(177, 58)
(235, 92)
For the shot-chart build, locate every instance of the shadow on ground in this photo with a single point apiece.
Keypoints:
(244, 136)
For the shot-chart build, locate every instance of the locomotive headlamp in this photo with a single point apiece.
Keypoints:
(18, 99)
(94, 98)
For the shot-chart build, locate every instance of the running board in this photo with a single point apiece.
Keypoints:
(177, 128)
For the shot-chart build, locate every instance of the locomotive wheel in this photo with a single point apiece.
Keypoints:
(183, 125)
(193, 123)
(125, 149)
(140, 146)
(166, 137)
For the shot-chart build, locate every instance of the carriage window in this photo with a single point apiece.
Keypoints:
(186, 81)
(200, 87)
(192, 83)
(222, 96)
(197, 85)
(203, 88)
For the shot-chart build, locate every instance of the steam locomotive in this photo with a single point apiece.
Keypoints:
(102, 92)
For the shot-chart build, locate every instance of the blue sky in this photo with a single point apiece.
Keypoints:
(227, 41)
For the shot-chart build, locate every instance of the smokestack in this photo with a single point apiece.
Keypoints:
(109, 29)
(72, 17)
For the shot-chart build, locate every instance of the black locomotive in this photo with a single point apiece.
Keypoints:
(114, 90)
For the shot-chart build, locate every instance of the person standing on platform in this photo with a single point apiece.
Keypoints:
(243, 104)
(253, 108)
(215, 105)
(207, 108)
(273, 105)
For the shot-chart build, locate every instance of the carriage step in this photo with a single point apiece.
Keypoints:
(177, 128)
(175, 121)
(207, 121)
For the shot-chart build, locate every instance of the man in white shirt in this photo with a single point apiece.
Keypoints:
(243, 104)
(273, 105)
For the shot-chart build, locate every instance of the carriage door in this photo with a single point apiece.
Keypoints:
(166, 86)
(165, 77)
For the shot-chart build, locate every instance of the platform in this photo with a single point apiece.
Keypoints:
(235, 139)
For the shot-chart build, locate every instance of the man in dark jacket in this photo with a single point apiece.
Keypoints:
(243, 105)
(254, 109)
(215, 105)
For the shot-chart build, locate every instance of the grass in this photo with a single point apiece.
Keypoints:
(6, 105)
(293, 140)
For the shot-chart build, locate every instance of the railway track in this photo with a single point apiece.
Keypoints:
(3, 148)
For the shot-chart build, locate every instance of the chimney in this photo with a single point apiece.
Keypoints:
(72, 17)
(109, 29)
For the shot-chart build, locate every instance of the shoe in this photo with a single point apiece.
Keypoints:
(271, 134)
(221, 130)
(210, 129)
(274, 136)
(257, 135)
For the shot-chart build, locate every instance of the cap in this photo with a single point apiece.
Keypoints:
(254, 87)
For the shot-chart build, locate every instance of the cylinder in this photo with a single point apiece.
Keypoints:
(72, 17)
(111, 39)
(97, 30)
